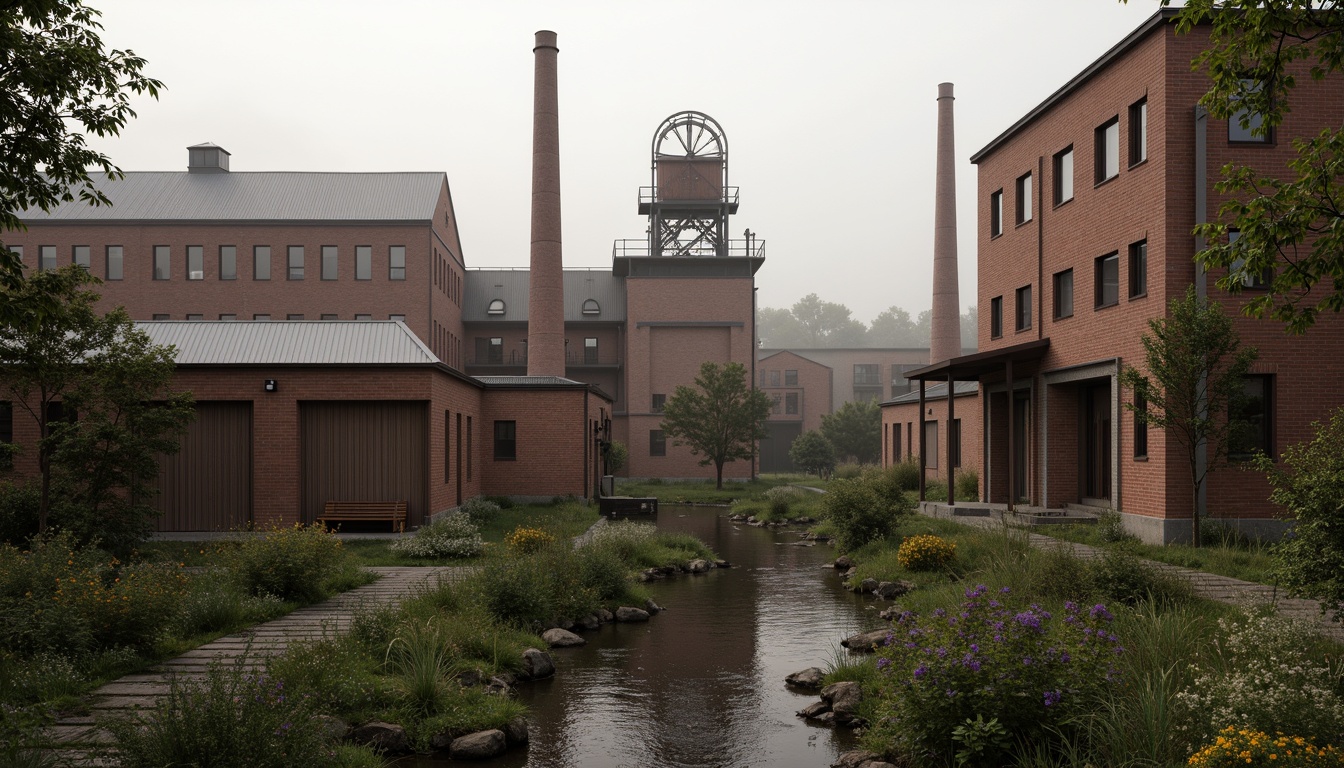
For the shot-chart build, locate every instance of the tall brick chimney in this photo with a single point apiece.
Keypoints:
(945, 341)
(545, 300)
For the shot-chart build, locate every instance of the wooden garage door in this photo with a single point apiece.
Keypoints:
(364, 451)
(207, 484)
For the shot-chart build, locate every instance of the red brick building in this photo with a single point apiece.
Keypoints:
(1087, 205)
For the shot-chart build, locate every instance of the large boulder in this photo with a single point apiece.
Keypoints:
(815, 710)
(652, 607)
(698, 566)
(859, 758)
(382, 737)
(481, 745)
(867, 586)
(537, 664)
(892, 589)
(515, 731)
(864, 641)
(332, 728)
(844, 699)
(627, 614)
(562, 638)
(843, 563)
(808, 679)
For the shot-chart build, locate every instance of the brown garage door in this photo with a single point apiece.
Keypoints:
(207, 484)
(364, 451)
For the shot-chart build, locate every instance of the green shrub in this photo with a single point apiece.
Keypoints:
(19, 506)
(1111, 528)
(935, 490)
(481, 510)
(215, 604)
(967, 483)
(856, 511)
(293, 563)
(782, 498)
(753, 508)
(504, 502)
(888, 488)
(904, 474)
(926, 553)
(1119, 576)
(517, 592)
(849, 471)
(451, 535)
(336, 672)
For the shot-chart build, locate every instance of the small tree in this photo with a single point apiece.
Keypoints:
(812, 453)
(855, 430)
(1311, 559)
(720, 418)
(1193, 387)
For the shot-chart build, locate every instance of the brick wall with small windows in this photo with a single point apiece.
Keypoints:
(551, 444)
(900, 418)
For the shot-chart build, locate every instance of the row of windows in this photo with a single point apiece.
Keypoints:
(114, 261)
(490, 351)
(789, 401)
(447, 279)
(930, 442)
(463, 441)
(446, 345)
(771, 378)
(1106, 289)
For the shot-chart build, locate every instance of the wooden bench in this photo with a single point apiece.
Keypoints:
(366, 511)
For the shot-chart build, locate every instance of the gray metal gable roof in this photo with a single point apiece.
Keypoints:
(293, 342)
(935, 392)
(298, 196)
(511, 285)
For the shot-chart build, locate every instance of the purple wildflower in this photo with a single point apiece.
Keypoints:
(883, 663)
(1099, 610)
(1052, 698)
(921, 671)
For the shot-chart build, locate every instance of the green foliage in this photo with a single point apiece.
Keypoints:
(1194, 385)
(786, 499)
(967, 484)
(617, 456)
(857, 512)
(849, 471)
(926, 553)
(1309, 484)
(1237, 747)
(904, 475)
(855, 430)
(292, 563)
(1120, 577)
(60, 83)
(1111, 528)
(720, 418)
(19, 508)
(1289, 224)
(812, 453)
(22, 737)
(813, 323)
(215, 603)
(980, 741)
(233, 717)
(481, 510)
(450, 535)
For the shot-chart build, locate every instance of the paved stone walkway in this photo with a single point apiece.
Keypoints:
(1224, 589)
(143, 689)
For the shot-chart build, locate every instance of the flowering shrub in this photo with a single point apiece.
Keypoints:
(926, 552)
(480, 510)
(452, 535)
(1016, 665)
(525, 540)
(1238, 747)
(1271, 682)
(781, 497)
(294, 563)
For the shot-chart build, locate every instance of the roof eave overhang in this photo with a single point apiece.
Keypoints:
(972, 367)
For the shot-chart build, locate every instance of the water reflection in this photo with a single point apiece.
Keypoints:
(702, 683)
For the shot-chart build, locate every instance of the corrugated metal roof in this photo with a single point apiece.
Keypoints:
(292, 342)
(296, 196)
(511, 286)
(517, 381)
(935, 392)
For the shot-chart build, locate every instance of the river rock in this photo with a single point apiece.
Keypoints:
(867, 586)
(650, 574)
(849, 574)
(844, 699)
(627, 614)
(722, 564)
(890, 589)
(590, 622)
(808, 679)
(469, 678)
(481, 745)
(604, 615)
(652, 607)
(843, 563)
(698, 566)
(383, 737)
(500, 684)
(515, 731)
(332, 728)
(858, 758)
(562, 638)
(864, 641)
(815, 710)
(537, 664)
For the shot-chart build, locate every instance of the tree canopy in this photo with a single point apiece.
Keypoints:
(720, 418)
(1193, 387)
(1290, 226)
(812, 453)
(57, 83)
(855, 430)
(812, 323)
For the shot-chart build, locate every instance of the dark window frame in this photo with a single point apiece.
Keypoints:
(657, 442)
(258, 253)
(292, 271)
(790, 378)
(87, 253)
(1247, 136)
(231, 260)
(1138, 269)
(1057, 165)
(1022, 189)
(166, 252)
(1064, 293)
(1138, 132)
(658, 401)
(47, 258)
(506, 440)
(1140, 427)
(790, 403)
(396, 253)
(995, 214)
(198, 252)
(1245, 445)
(996, 317)
(1022, 316)
(335, 263)
(1103, 150)
(1099, 270)
(120, 262)
(363, 262)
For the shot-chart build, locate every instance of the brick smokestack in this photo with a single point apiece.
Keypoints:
(946, 331)
(545, 300)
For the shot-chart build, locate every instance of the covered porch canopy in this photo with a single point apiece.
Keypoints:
(971, 368)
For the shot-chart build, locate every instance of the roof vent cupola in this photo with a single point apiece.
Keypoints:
(207, 158)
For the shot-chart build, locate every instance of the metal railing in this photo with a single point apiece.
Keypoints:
(652, 195)
(739, 248)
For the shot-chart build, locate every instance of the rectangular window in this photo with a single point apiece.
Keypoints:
(331, 317)
(495, 352)
(659, 400)
(1108, 150)
(1138, 269)
(1107, 269)
(895, 442)
(790, 378)
(229, 317)
(261, 318)
(867, 375)
(506, 440)
(228, 262)
(363, 262)
(1024, 199)
(775, 402)
(159, 316)
(398, 318)
(261, 262)
(1138, 131)
(295, 271)
(996, 317)
(590, 350)
(1247, 127)
(657, 443)
(1140, 426)
(81, 256)
(363, 317)
(115, 262)
(447, 445)
(791, 403)
(163, 262)
(1024, 308)
(1064, 294)
(774, 378)
(954, 442)
(931, 444)
(1256, 412)
(996, 214)
(329, 262)
(293, 317)
(396, 262)
(1258, 281)
(195, 262)
(195, 316)
(46, 257)
(17, 250)
(1064, 175)
(471, 438)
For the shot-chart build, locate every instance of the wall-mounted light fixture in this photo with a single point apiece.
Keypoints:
(271, 385)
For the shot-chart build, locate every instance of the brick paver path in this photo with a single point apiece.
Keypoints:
(143, 689)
